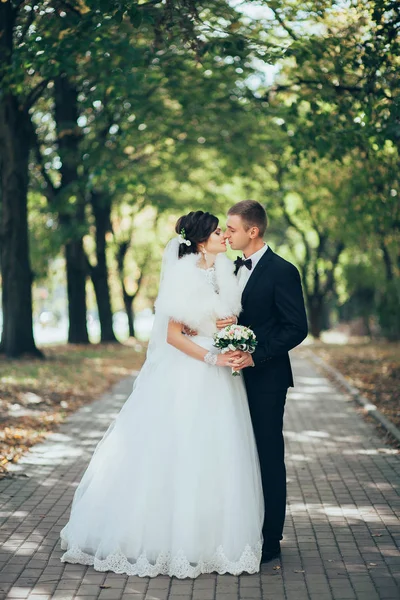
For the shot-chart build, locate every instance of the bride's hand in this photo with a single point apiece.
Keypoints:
(240, 360)
(225, 360)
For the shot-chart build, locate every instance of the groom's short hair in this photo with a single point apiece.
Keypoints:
(252, 213)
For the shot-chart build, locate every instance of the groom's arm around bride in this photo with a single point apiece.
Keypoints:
(286, 326)
(272, 299)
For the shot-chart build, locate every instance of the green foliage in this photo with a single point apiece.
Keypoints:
(336, 102)
(388, 310)
(176, 111)
(43, 241)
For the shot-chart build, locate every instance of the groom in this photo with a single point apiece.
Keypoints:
(273, 307)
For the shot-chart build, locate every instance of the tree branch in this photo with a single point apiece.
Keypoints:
(307, 261)
(314, 82)
(147, 4)
(89, 267)
(386, 259)
(71, 8)
(142, 269)
(30, 19)
(285, 26)
(19, 4)
(35, 93)
(346, 88)
(51, 190)
(308, 206)
(322, 239)
(330, 278)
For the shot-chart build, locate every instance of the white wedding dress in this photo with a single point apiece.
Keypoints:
(174, 486)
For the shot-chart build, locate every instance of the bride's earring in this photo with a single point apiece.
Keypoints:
(204, 253)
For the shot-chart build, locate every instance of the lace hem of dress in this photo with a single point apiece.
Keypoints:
(166, 564)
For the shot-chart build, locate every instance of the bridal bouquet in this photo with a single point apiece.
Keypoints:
(235, 337)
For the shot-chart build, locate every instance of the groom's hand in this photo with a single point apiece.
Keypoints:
(187, 331)
(241, 360)
(221, 323)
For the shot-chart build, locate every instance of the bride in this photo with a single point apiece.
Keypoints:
(174, 487)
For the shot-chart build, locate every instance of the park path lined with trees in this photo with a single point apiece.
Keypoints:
(341, 533)
(116, 117)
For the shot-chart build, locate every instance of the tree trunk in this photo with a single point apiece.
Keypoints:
(16, 273)
(101, 207)
(76, 290)
(70, 205)
(102, 292)
(123, 248)
(315, 315)
(320, 294)
(128, 303)
(15, 142)
(387, 260)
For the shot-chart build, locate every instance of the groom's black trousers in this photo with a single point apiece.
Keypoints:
(266, 411)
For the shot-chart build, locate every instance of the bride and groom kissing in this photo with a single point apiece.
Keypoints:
(190, 477)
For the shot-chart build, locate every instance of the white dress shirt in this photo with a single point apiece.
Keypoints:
(244, 273)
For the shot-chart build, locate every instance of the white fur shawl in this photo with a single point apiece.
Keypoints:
(187, 296)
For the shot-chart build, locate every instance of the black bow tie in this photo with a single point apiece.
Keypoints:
(239, 262)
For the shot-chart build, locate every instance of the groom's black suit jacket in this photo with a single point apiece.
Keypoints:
(273, 307)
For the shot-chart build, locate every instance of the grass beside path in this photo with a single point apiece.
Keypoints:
(36, 395)
(372, 367)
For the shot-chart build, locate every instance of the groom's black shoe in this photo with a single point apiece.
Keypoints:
(270, 552)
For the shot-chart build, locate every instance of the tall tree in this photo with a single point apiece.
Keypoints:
(70, 202)
(337, 94)
(139, 98)
(101, 209)
(36, 49)
(15, 136)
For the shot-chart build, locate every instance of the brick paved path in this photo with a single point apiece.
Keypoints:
(340, 534)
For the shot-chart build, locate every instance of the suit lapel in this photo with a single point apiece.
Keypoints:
(258, 271)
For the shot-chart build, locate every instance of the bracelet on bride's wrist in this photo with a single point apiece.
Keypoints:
(211, 358)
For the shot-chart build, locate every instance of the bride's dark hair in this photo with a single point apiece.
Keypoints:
(198, 226)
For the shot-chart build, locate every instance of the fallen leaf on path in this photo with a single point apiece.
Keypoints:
(373, 368)
(69, 378)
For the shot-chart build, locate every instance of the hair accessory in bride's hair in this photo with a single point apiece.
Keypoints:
(182, 238)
